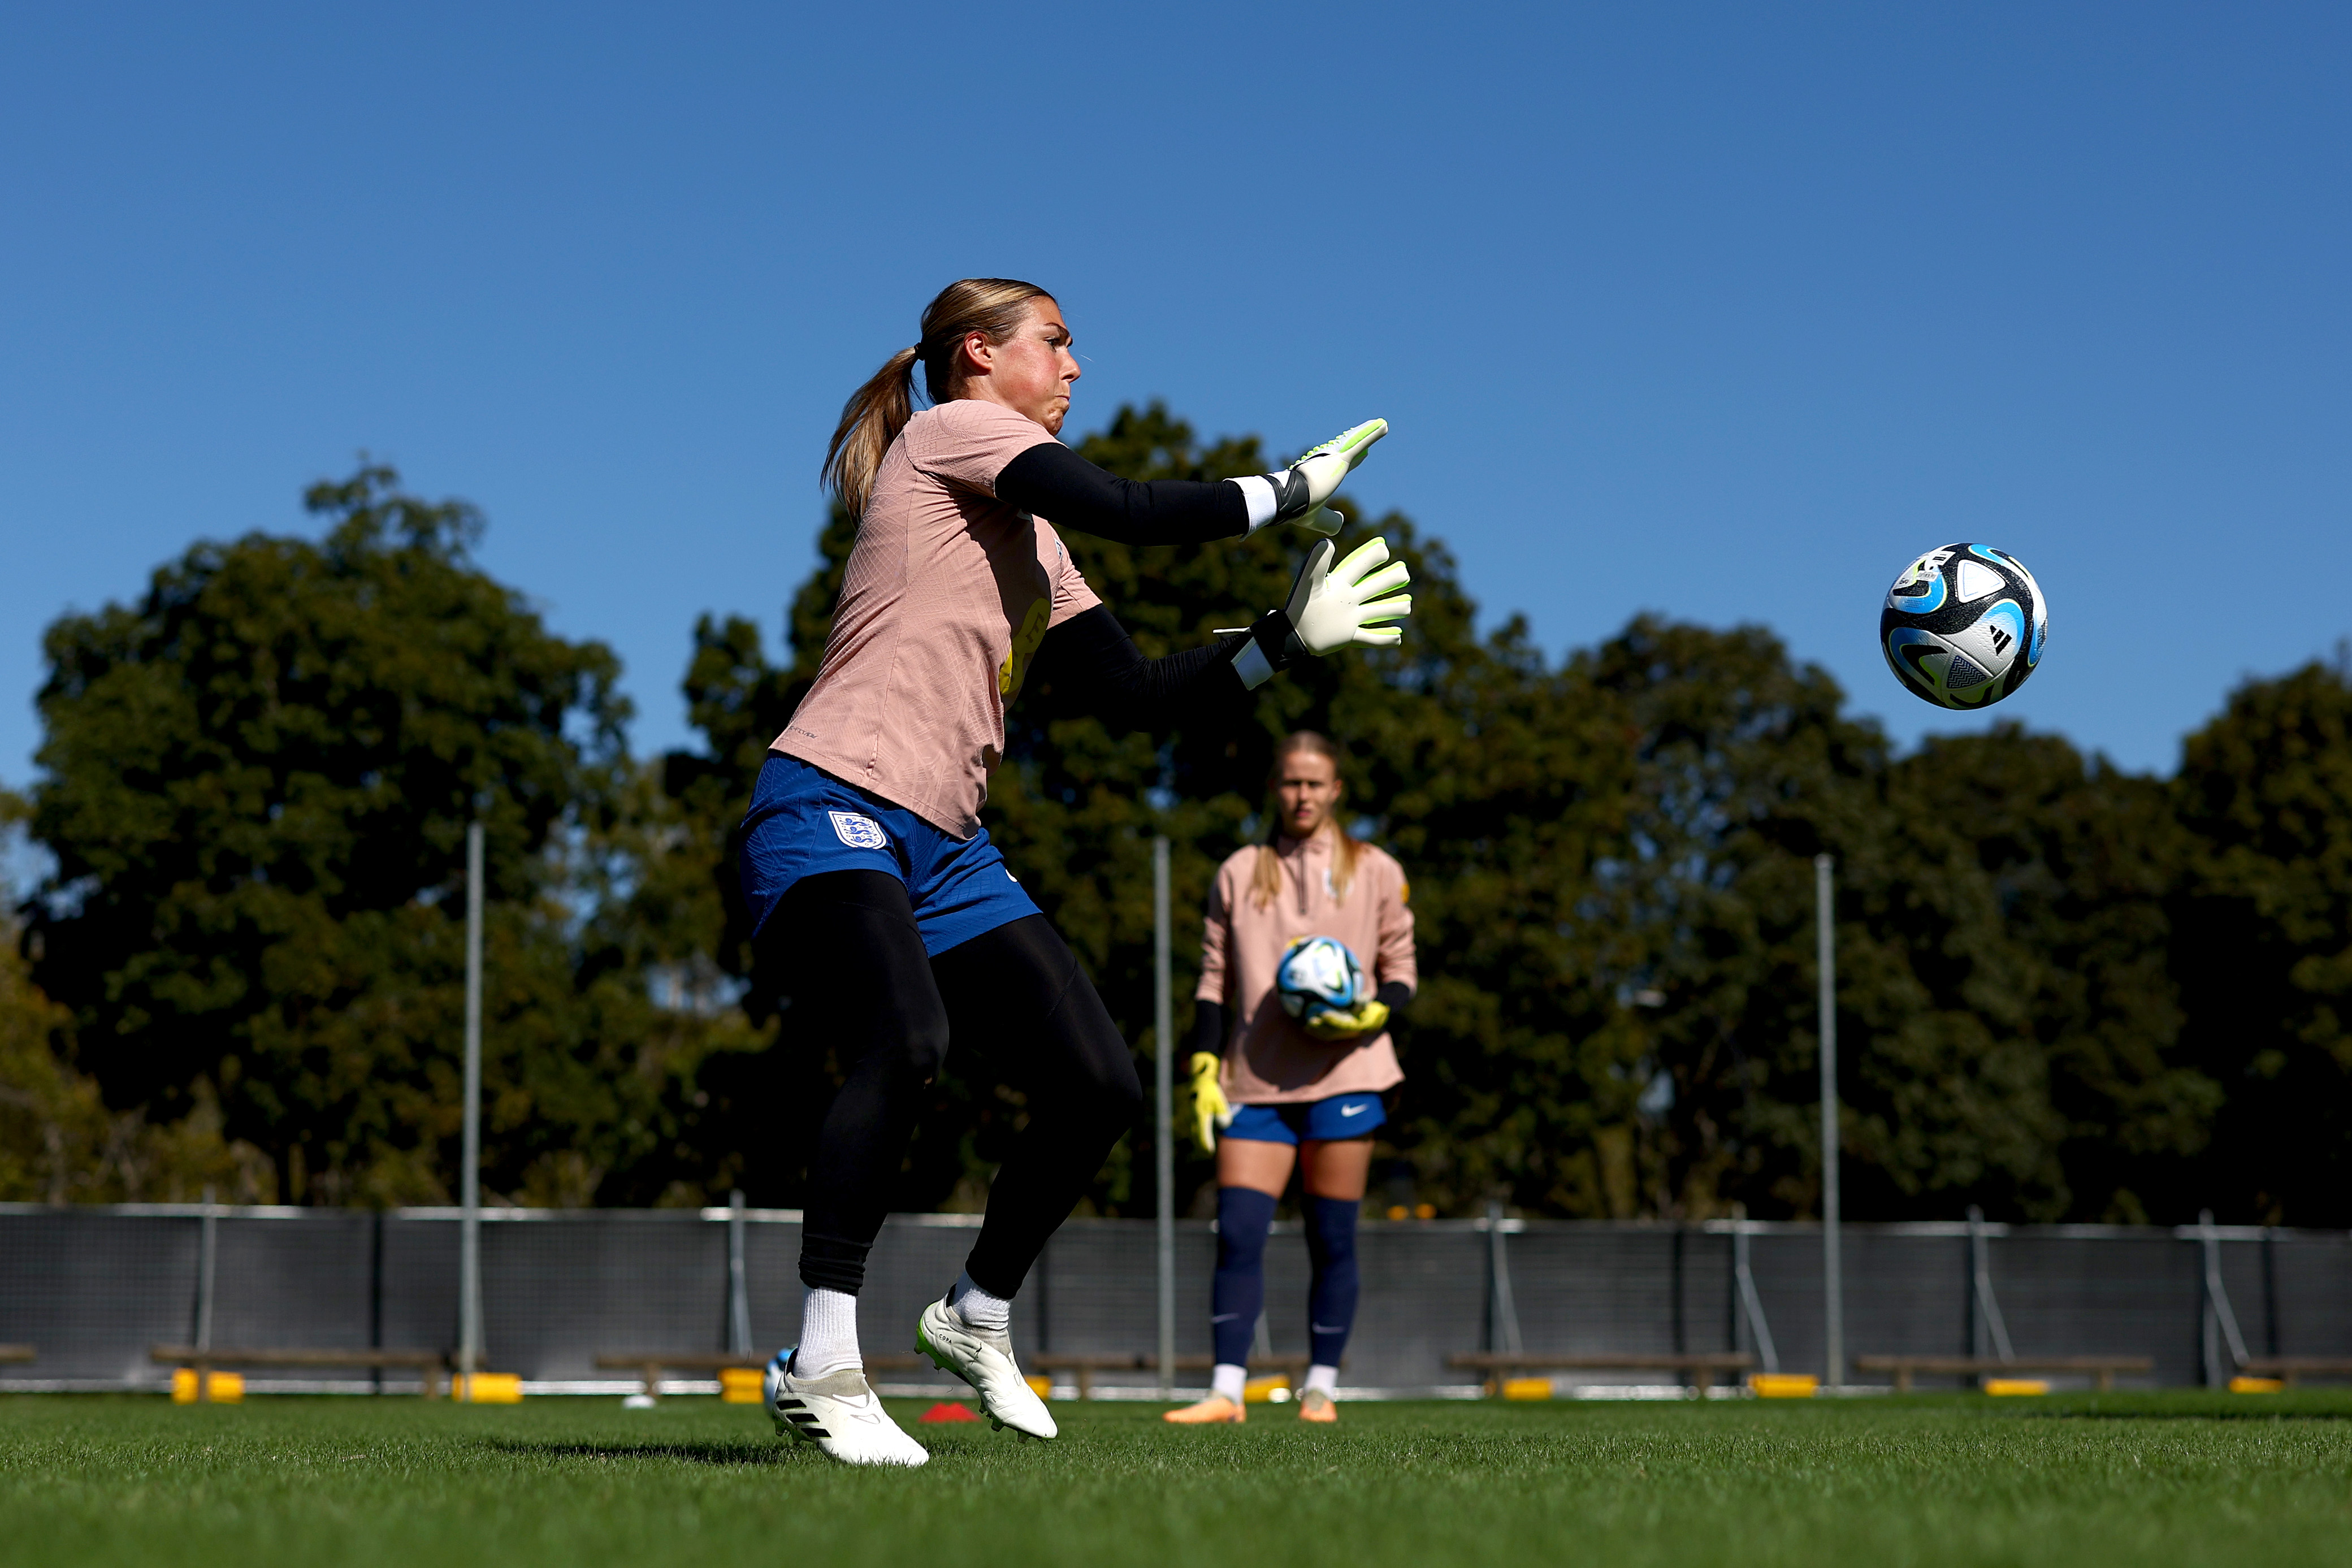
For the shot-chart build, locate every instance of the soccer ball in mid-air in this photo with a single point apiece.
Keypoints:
(1317, 975)
(1963, 626)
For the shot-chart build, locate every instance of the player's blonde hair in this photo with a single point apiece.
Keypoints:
(1266, 883)
(876, 412)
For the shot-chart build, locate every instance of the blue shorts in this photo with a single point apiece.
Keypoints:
(804, 821)
(1341, 1116)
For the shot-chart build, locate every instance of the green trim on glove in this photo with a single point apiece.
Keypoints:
(1331, 606)
(1301, 489)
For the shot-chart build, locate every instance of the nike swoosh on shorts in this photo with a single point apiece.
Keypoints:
(1353, 1110)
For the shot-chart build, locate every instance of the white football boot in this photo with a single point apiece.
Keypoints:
(983, 1358)
(841, 1413)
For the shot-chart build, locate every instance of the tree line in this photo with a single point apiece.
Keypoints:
(2066, 991)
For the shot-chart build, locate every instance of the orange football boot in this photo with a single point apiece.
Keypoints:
(1316, 1406)
(1215, 1408)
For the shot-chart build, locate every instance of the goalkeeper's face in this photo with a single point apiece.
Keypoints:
(1307, 790)
(1030, 372)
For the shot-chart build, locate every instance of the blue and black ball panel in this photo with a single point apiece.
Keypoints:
(1964, 625)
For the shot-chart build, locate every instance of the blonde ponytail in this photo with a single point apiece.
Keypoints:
(993, 306)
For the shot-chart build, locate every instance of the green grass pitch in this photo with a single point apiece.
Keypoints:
(2074, 1481)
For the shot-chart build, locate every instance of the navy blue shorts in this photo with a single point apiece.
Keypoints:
(1341, 1116)
(804, 821)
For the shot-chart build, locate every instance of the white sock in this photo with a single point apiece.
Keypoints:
(828, 1333)
(1325, 1378)
(1227, 1379)
(978, 1308)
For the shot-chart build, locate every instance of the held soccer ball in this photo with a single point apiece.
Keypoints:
(1963, 626)
(1317, 975)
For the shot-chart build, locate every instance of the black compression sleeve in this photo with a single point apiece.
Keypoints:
(1208, 1030)
(1053, 482)
(1394, 994)
(1092, 655)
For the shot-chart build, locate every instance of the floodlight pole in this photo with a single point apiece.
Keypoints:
(469, 1229)
(1832, 1271)
(1163, 1146)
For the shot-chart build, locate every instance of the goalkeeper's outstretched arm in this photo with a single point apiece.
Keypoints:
(1091, 657)
(1329, 608)
(1049, 480)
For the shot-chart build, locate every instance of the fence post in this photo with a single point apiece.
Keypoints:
(2220, 1324)
(1163, 1141)
(1502, 1311)
(1750, 1303)
(739, 1285)
(1991, 1333)
(208, 1256)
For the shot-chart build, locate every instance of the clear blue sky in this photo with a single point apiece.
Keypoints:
(1720, 310)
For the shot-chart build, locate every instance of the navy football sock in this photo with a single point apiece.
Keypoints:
(1331, 1300)
(1237, 1295)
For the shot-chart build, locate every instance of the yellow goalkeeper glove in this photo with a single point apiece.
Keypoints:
(1370, 1018)
(1210, 1108)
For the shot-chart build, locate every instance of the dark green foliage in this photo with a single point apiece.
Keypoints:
(2008, 1029)
(258, 784)
(2264, 942)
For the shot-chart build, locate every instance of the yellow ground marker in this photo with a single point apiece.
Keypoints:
(220, 1387)
(2016, 1385)
(1271, 1389)
(739, 1384)
(1526, 1388)
(1783, 1384)
(2258, 1385)
(487, 1388)
(1040, 1384)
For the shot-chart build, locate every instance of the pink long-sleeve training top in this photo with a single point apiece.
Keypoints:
(1271, 1060)
(946, 596)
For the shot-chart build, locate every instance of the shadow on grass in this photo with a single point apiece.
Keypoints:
(725, 1453)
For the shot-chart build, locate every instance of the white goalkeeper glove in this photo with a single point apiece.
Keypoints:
(1329, 608)
(1296, 494)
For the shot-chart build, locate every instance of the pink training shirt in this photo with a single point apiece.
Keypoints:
(946, 596)
(1271, 1060)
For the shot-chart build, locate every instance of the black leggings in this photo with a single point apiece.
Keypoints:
(860, 974)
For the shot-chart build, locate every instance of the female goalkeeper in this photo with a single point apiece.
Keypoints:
(1286, 1092)
(869, 878)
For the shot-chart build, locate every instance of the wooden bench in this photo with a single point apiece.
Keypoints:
(1701, 1368)
(15, 1355)
(1085, 1364)
(650, 1364)
(427, 1365)
(2102, 1368)
(2288, 1368)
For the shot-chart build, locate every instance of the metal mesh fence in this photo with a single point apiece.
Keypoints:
(93, 1288)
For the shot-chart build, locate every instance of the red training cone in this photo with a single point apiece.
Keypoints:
(954, 1410)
